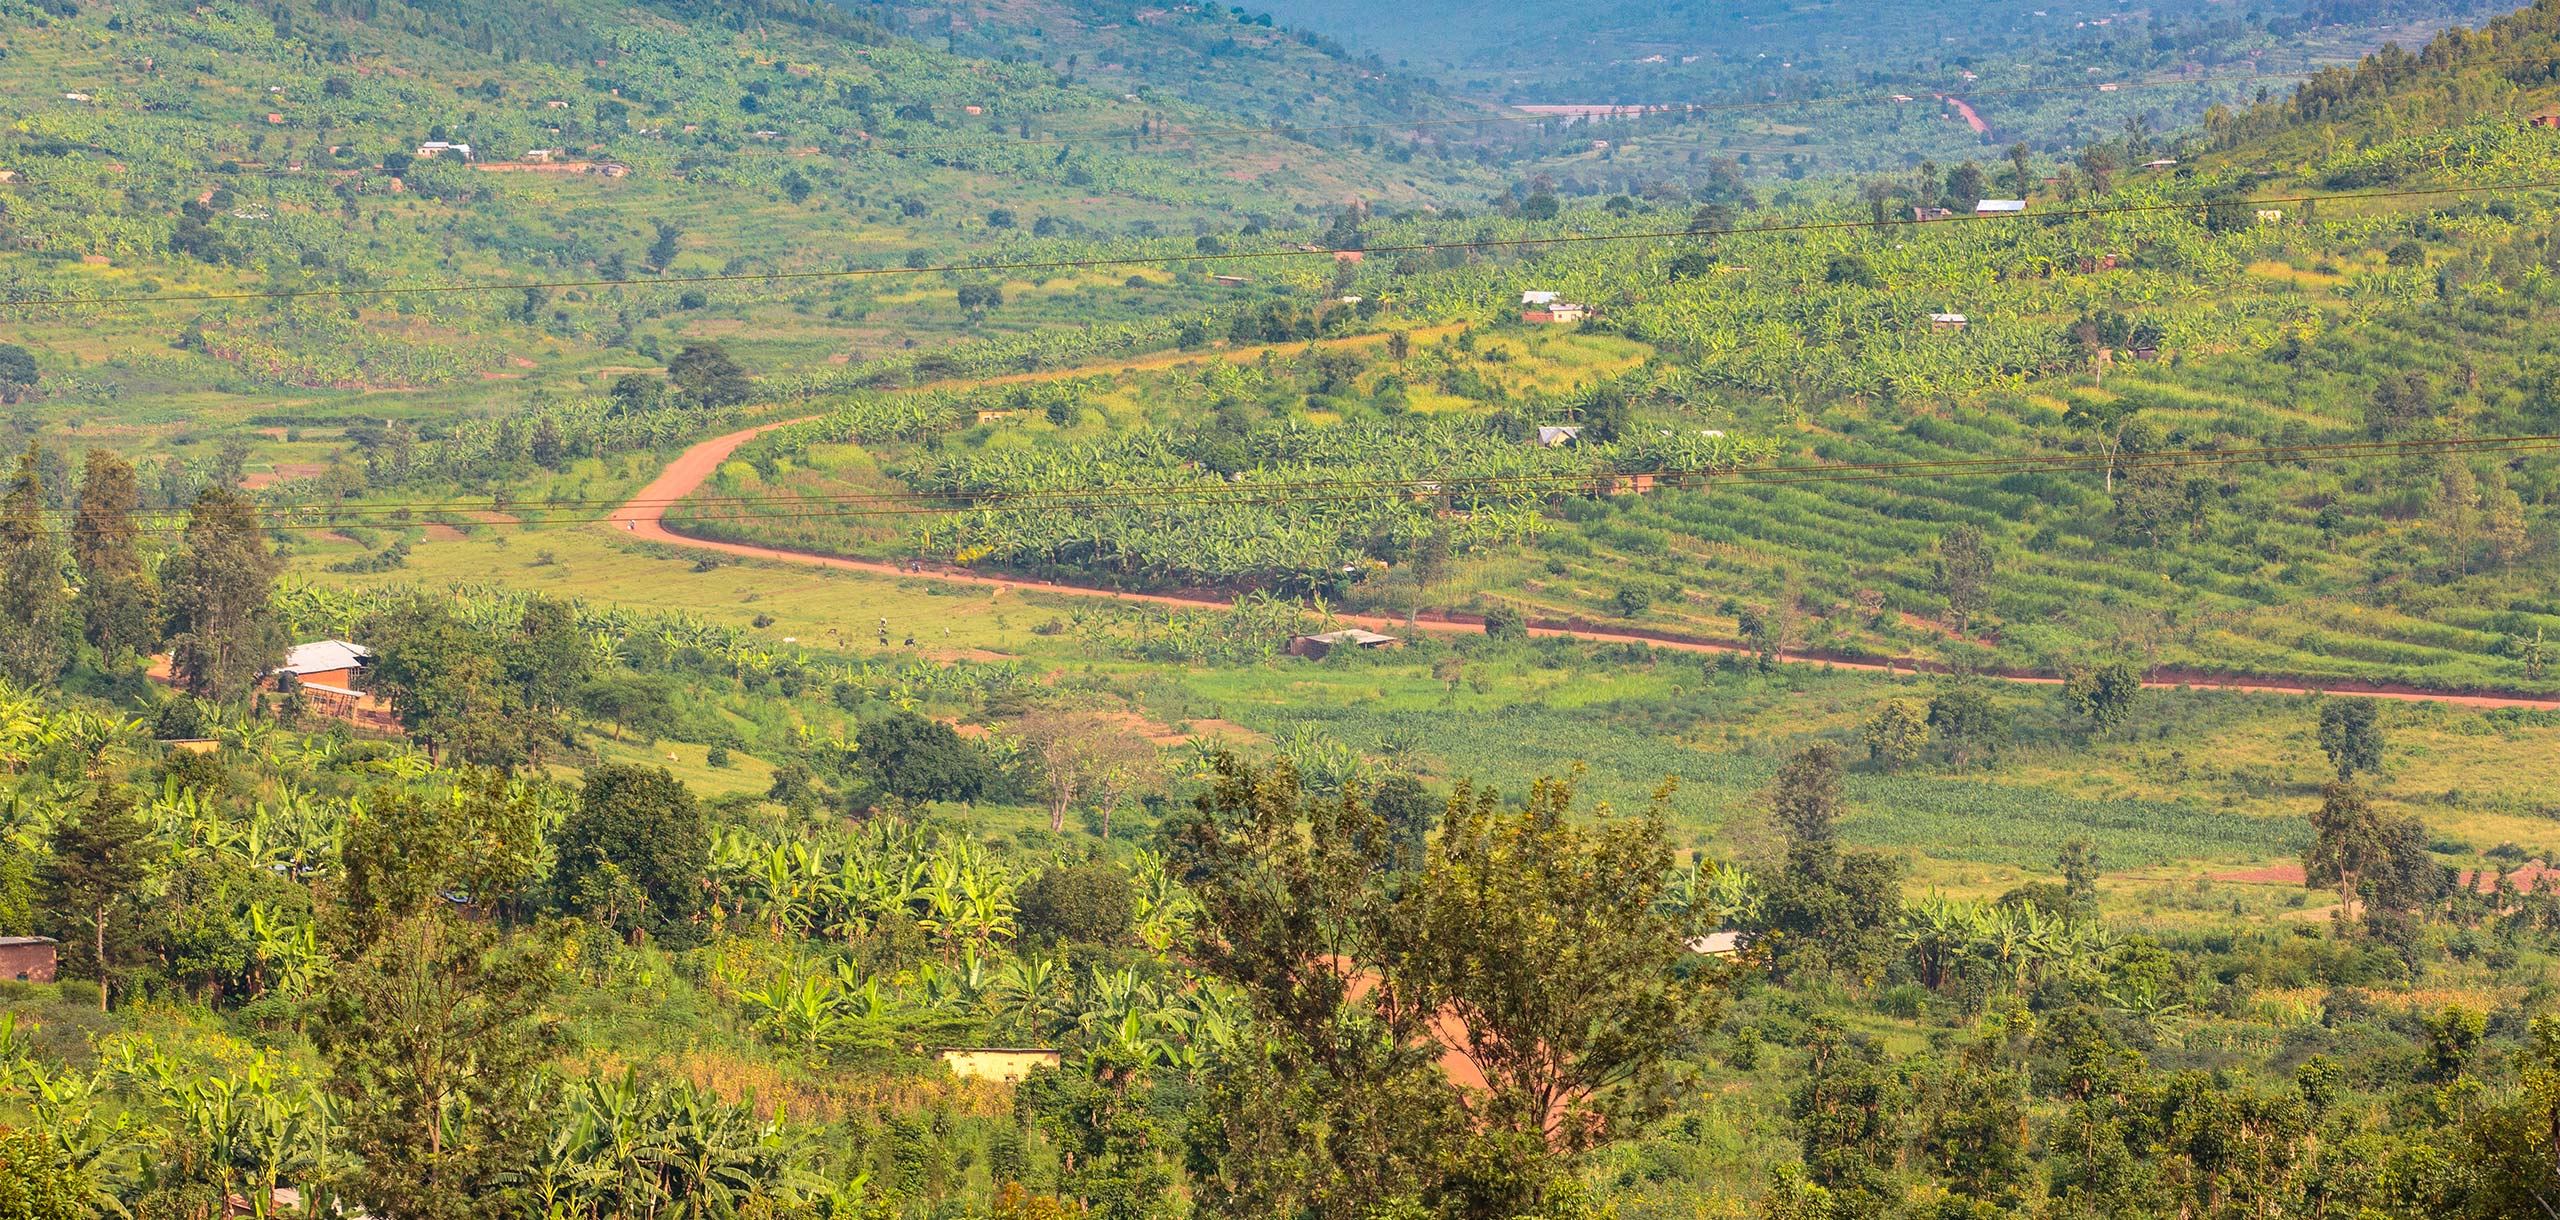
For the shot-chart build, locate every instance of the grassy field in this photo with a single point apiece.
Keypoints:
(2198, 783)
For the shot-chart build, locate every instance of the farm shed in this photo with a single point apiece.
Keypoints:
(1551, 437)
(1944, 322)
(1006, 1064)
(1318, 647)
(1561, 311)
(1997, 207)
(28, 959)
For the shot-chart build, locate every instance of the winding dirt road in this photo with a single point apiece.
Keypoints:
(644, 517)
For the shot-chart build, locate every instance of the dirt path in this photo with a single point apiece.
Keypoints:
(644, 517)
(1971, 119)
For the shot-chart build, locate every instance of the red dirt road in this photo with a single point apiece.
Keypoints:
(644, 517)
(1971, 119)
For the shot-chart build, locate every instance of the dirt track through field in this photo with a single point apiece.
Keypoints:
(644, 518)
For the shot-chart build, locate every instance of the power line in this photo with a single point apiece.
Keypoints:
(1455, 490)
(1265, 255)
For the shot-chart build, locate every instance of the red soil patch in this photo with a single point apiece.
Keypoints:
(2277, 874)
(282, 472)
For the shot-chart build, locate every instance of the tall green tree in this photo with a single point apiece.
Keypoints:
(432, 1023)
(2349, 840)
(118, 606)
(223, 636)
(2351, 735)
(31, 603)
(452, 688)
(1962, 573)
(94, 870)
(1806, 799)
(1826, 911)
(1528, 956)
(709, 376)
(2104, 694)
(1564, 984)
(646, 827)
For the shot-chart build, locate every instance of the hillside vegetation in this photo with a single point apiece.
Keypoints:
(1870, 855)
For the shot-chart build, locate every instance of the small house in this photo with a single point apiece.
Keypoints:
(555, 104)
(1999, 207)
(8, 175)
(1944, 322)
(1902, 97)
(28, 959)
(541, 156)
(2268, 216)
(1716, 944)
(1561, 311)
(2162, 163)
(610, 169)
(1346, 256)
(75, 97)
(1318, 647)
(1003, 1064)
(1230, 281)
(1925, 215)
(1558, 437)
(438, 148)
(975, 110)
(325, 670)
(275, 119)
(2544, 120)
(325, 662)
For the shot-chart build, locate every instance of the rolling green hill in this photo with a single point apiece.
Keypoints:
(2090, 338)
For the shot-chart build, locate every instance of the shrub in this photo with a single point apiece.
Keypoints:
(1082, 903)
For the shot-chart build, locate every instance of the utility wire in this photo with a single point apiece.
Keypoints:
(1264, 255)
